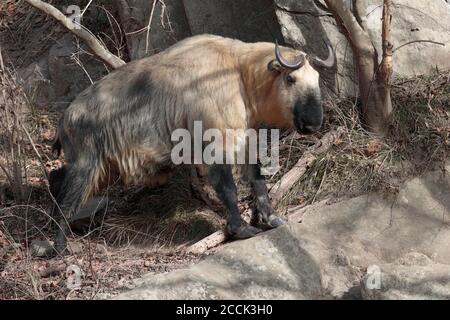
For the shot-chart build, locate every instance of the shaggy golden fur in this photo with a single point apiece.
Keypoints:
(123, 123)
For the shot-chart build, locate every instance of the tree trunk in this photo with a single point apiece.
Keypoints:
(375, 94)
(374, 79)
(375, 82)
(384, 75)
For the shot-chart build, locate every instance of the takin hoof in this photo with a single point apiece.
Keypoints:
(275, 221)
(243, 232)
(271, 223)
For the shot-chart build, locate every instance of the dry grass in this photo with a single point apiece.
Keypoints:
(13, 154)
(421, 125)
(105, 272)
(165, 217)
(418, 139)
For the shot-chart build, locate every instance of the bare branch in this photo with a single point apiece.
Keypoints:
(44, 170)
(387, 62)
(215, 239)
(100, 51)
(418, 41)
(149, 25)
(85, 8)
(8, 176)
(207, 243)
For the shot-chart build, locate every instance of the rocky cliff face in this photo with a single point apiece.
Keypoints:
(305, 26)
(299, 23)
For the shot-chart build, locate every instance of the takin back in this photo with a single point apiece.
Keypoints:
(120, 127)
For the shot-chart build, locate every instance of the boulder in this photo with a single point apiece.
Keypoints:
(47, 83)
(242, 19)
(273, 266)
(40, 248)
(36, 82)
(413, 277)
(168, 25)
(330, 252)
(305, 26)
(65, 58)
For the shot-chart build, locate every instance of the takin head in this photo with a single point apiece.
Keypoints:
(297, 87)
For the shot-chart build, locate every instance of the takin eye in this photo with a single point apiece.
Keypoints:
(290, 80)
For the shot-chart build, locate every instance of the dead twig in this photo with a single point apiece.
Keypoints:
(41, 162)
(150, 19)
(418, 41)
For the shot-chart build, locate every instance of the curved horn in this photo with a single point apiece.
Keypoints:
(299, 62)
(330, 61)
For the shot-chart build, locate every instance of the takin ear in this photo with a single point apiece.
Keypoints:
(274, 65)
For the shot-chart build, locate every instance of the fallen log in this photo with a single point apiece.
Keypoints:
(207, 243)
(278, 190)
(216, 238)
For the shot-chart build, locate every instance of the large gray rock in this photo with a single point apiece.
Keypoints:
(328, 254)
(61, 74)
(168, 25)
(70, 71)
(414, 220)
(273, 266)
(412, 20)
(413, 277)
(36, 82)
(415, 21)
(242, 19)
